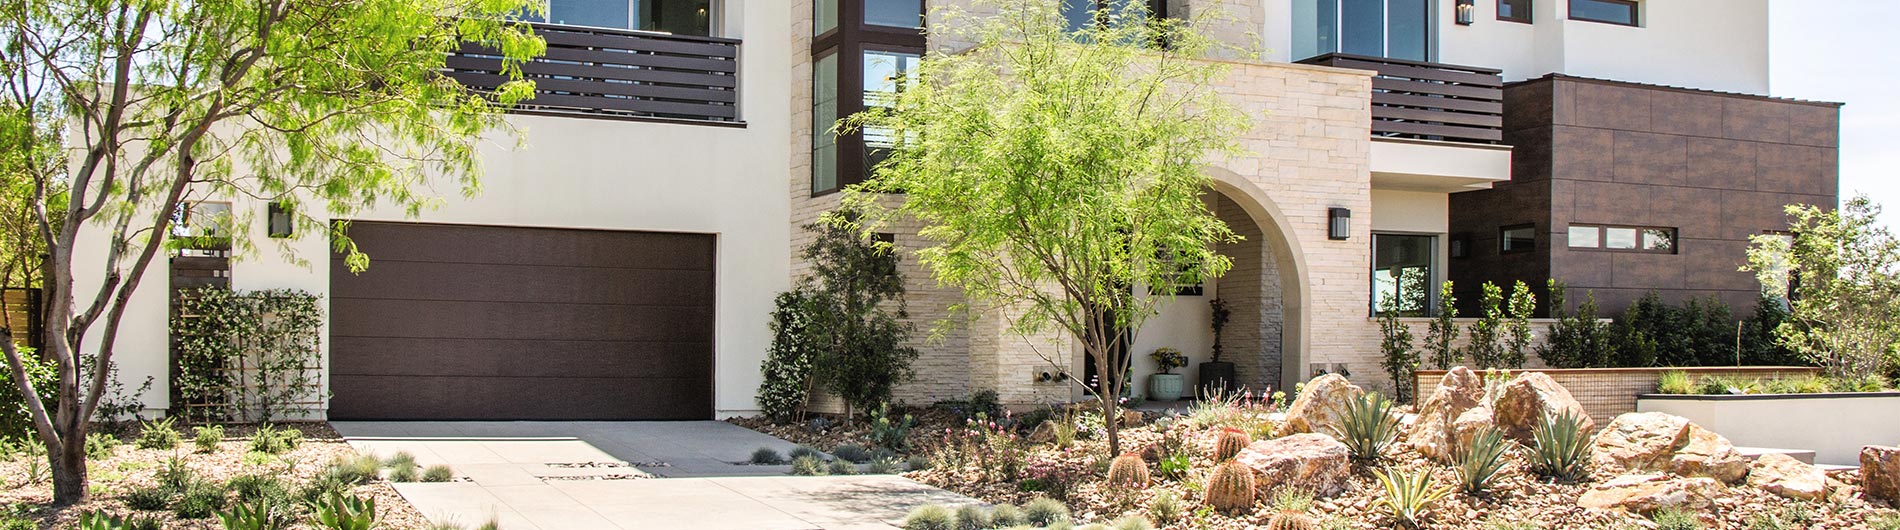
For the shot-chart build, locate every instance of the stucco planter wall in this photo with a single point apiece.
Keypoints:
(1834, 426)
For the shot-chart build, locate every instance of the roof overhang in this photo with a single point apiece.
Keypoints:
(1449, 167)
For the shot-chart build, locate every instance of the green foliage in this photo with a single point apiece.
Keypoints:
(322, 487)
(766, 456)
(787, 371)
(1676, 519)
(1701, 332)
(278, 334)
(916, 462)
(269, 440)
(1675, 382)
(1578, 339)
(884, 466)
(1131, 522)
(808, 465)
(340, 512)
(1401, 359)
(804, 450)
(1443, 330)
(890, 432)
(1165, 507)
(1517, 326)
(269, 489)
(257, 515)
(100, 446)
(972, 517)
(176, 476)
(16, 420)
(401, 458)
(1167, 359)
(1888, 521)
(1044, 511)
(1291, 500)
(851, 452)
(198, 499)
(408, 473)
(1483, 347)
(1845, 268)
(930, 517)
(206, 438)
(841, 467)
(1006, 516)
(150, 498)
(11, 522)
(105, 521)
(1499, 522)
(1369, 426)
(1480, 460)
(1759, 343)
(1561, 449)
(354, 470)
(857, 320)
(438, 473)
(1053, 170)
(1409, 495)
(157, 435)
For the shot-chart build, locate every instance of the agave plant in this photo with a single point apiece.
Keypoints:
(1562, 447)
(1480, 460)
(340, 512)
(1369, 426)
(1409, 495)
(260, 515)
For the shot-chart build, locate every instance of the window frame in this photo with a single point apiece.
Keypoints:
(715, 10)
(1603, 233)
(850, 39)
(1635, 7)
(1435, 270)
(1503, 241)
(1530, 11)
(1432, 30)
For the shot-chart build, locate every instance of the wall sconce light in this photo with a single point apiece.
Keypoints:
(1464, 12)
(280, 221)
(1339, 223)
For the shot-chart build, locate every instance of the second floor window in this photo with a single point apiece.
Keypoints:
(1513, 239)
(1622, 12)
(1651, 239)
(679, 17)
(1397, 29)
(1079, 13)
(1515, 10)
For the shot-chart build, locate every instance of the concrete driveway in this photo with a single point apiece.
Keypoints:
(607, 475)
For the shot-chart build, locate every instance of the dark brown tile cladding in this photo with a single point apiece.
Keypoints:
(1710, 264)
(1685, 114)
(1761, 121)
(1636, 270)
(1794, 168)
(1815, 126)
(1720, 163)
(1612, 107)
(1581, 153)
(1645, 158)
(1694, 212)
(1611, 203)
(1531, 108)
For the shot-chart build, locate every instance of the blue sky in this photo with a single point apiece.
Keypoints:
(1843, 51)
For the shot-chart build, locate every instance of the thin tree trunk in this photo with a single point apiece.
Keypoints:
(68, 463)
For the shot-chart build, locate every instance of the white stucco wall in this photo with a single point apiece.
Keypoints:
(585, 173)
(1834, 426)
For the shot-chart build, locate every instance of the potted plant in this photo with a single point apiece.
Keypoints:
(1217, 376)
(1166, 385)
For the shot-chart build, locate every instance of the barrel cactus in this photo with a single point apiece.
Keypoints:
(1230, 442)
(1231, 488)
(1292, 521)
(1128, 470)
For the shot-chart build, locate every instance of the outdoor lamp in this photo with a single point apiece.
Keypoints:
(1339, 223)
(1463, 13)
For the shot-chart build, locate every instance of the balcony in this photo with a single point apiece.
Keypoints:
(1429, 101)
(606, 73)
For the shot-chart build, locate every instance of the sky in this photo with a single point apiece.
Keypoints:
(1842, 51)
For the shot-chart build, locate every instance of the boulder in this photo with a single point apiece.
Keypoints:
(1646, 493)
(1469, 424)
(1527, 399)
(1045, 432)
(1654, 441)
(1321, 405)
(1312, 463)
(1433, 433)
(1782, 475)
(1880, 473)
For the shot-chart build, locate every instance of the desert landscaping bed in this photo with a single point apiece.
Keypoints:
(311, 456)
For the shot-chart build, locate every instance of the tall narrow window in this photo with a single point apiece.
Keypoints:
(885, 73)
(824, 16)
(1402, 270)
(1515, 10)
(1399, 29)
(860, 62)
(824, 114)
(894, 13)
(1622, 12)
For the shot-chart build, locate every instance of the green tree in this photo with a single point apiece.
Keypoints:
(1844, 313)
(1401, 359)
(1443, 330)
(1579, 339)
(1483, 347)
(856, 312)
(1518, 326)
(129, 110)
(1053, 171)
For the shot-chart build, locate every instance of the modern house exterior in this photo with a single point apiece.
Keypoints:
(621, 264)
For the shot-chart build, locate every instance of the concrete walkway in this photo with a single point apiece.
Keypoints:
(607, 475)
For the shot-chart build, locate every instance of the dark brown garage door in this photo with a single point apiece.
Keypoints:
(493, 323)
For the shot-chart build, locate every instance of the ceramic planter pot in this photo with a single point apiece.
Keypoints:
(1164, 387)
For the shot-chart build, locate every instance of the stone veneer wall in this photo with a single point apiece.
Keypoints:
(1606, 393)
(1251, 290)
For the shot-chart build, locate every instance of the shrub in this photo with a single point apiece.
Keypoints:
(1443, 330)
(402, 458)
(888, 432)
(253, 488)
(1675, 382)
(1401, 359)
(1675, 519)
(438, 473)
(1129, 471)
(1579, 339)
(1409, 495)
(339, 512)
(788, 361)
(1480, 461)
(855, 293)
(1165, 507)
(198, 500)
(1482, 346)
(803, 451)
(851, 452)
(257, 515)
(1229, 444)
(1517, 326)
(175, 477)
(105, 521)
(321, 488)
(1044, 511)
(1231, 488)
(1561, 449)
(917, 463)
(18, 523)
(157, 435)
(1007, 516)
(354, 470)
(1291, 500)
(842, 467)
(808, 465)
(1174, 466)
(1131, 522)
(1764, 521)
(1368, 427)
(149, 499)
(1055, 479)
(100, 446)
(766, 456)
(408, 473)
(206, 438)
(884, 466)
(15, 418)
(929, 517)
(972, 517)
(269, 440)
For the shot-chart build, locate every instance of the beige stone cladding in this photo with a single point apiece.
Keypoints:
(1251, 291)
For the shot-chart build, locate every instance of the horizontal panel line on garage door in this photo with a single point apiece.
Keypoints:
(373, 262)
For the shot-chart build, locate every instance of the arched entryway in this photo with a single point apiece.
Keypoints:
(1266, 291)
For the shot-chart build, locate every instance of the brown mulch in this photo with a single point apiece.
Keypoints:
(132, 468)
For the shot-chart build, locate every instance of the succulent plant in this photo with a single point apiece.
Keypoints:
(1409, 495)
(1562, 447)
(1369, 426)
(1128, 470)
(1230, 488)
(1292, 521)
(1229, 444)
(1480, 460)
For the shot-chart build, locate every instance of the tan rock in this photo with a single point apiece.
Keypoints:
(1133, 418)
(1321, 405)
(1045, 432)
(1783, 475)
(1880, 473)
(1312, 463)
(1433, 432)
(1646, 493)
(1655, 441)
(1469, 424)
(1527, 399)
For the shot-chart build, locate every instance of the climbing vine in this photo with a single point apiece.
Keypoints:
(246, 356)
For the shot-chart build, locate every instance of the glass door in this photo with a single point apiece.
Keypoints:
(1398, 29)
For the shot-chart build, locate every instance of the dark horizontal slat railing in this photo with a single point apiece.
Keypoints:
(1429, 101)
(617, 73)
